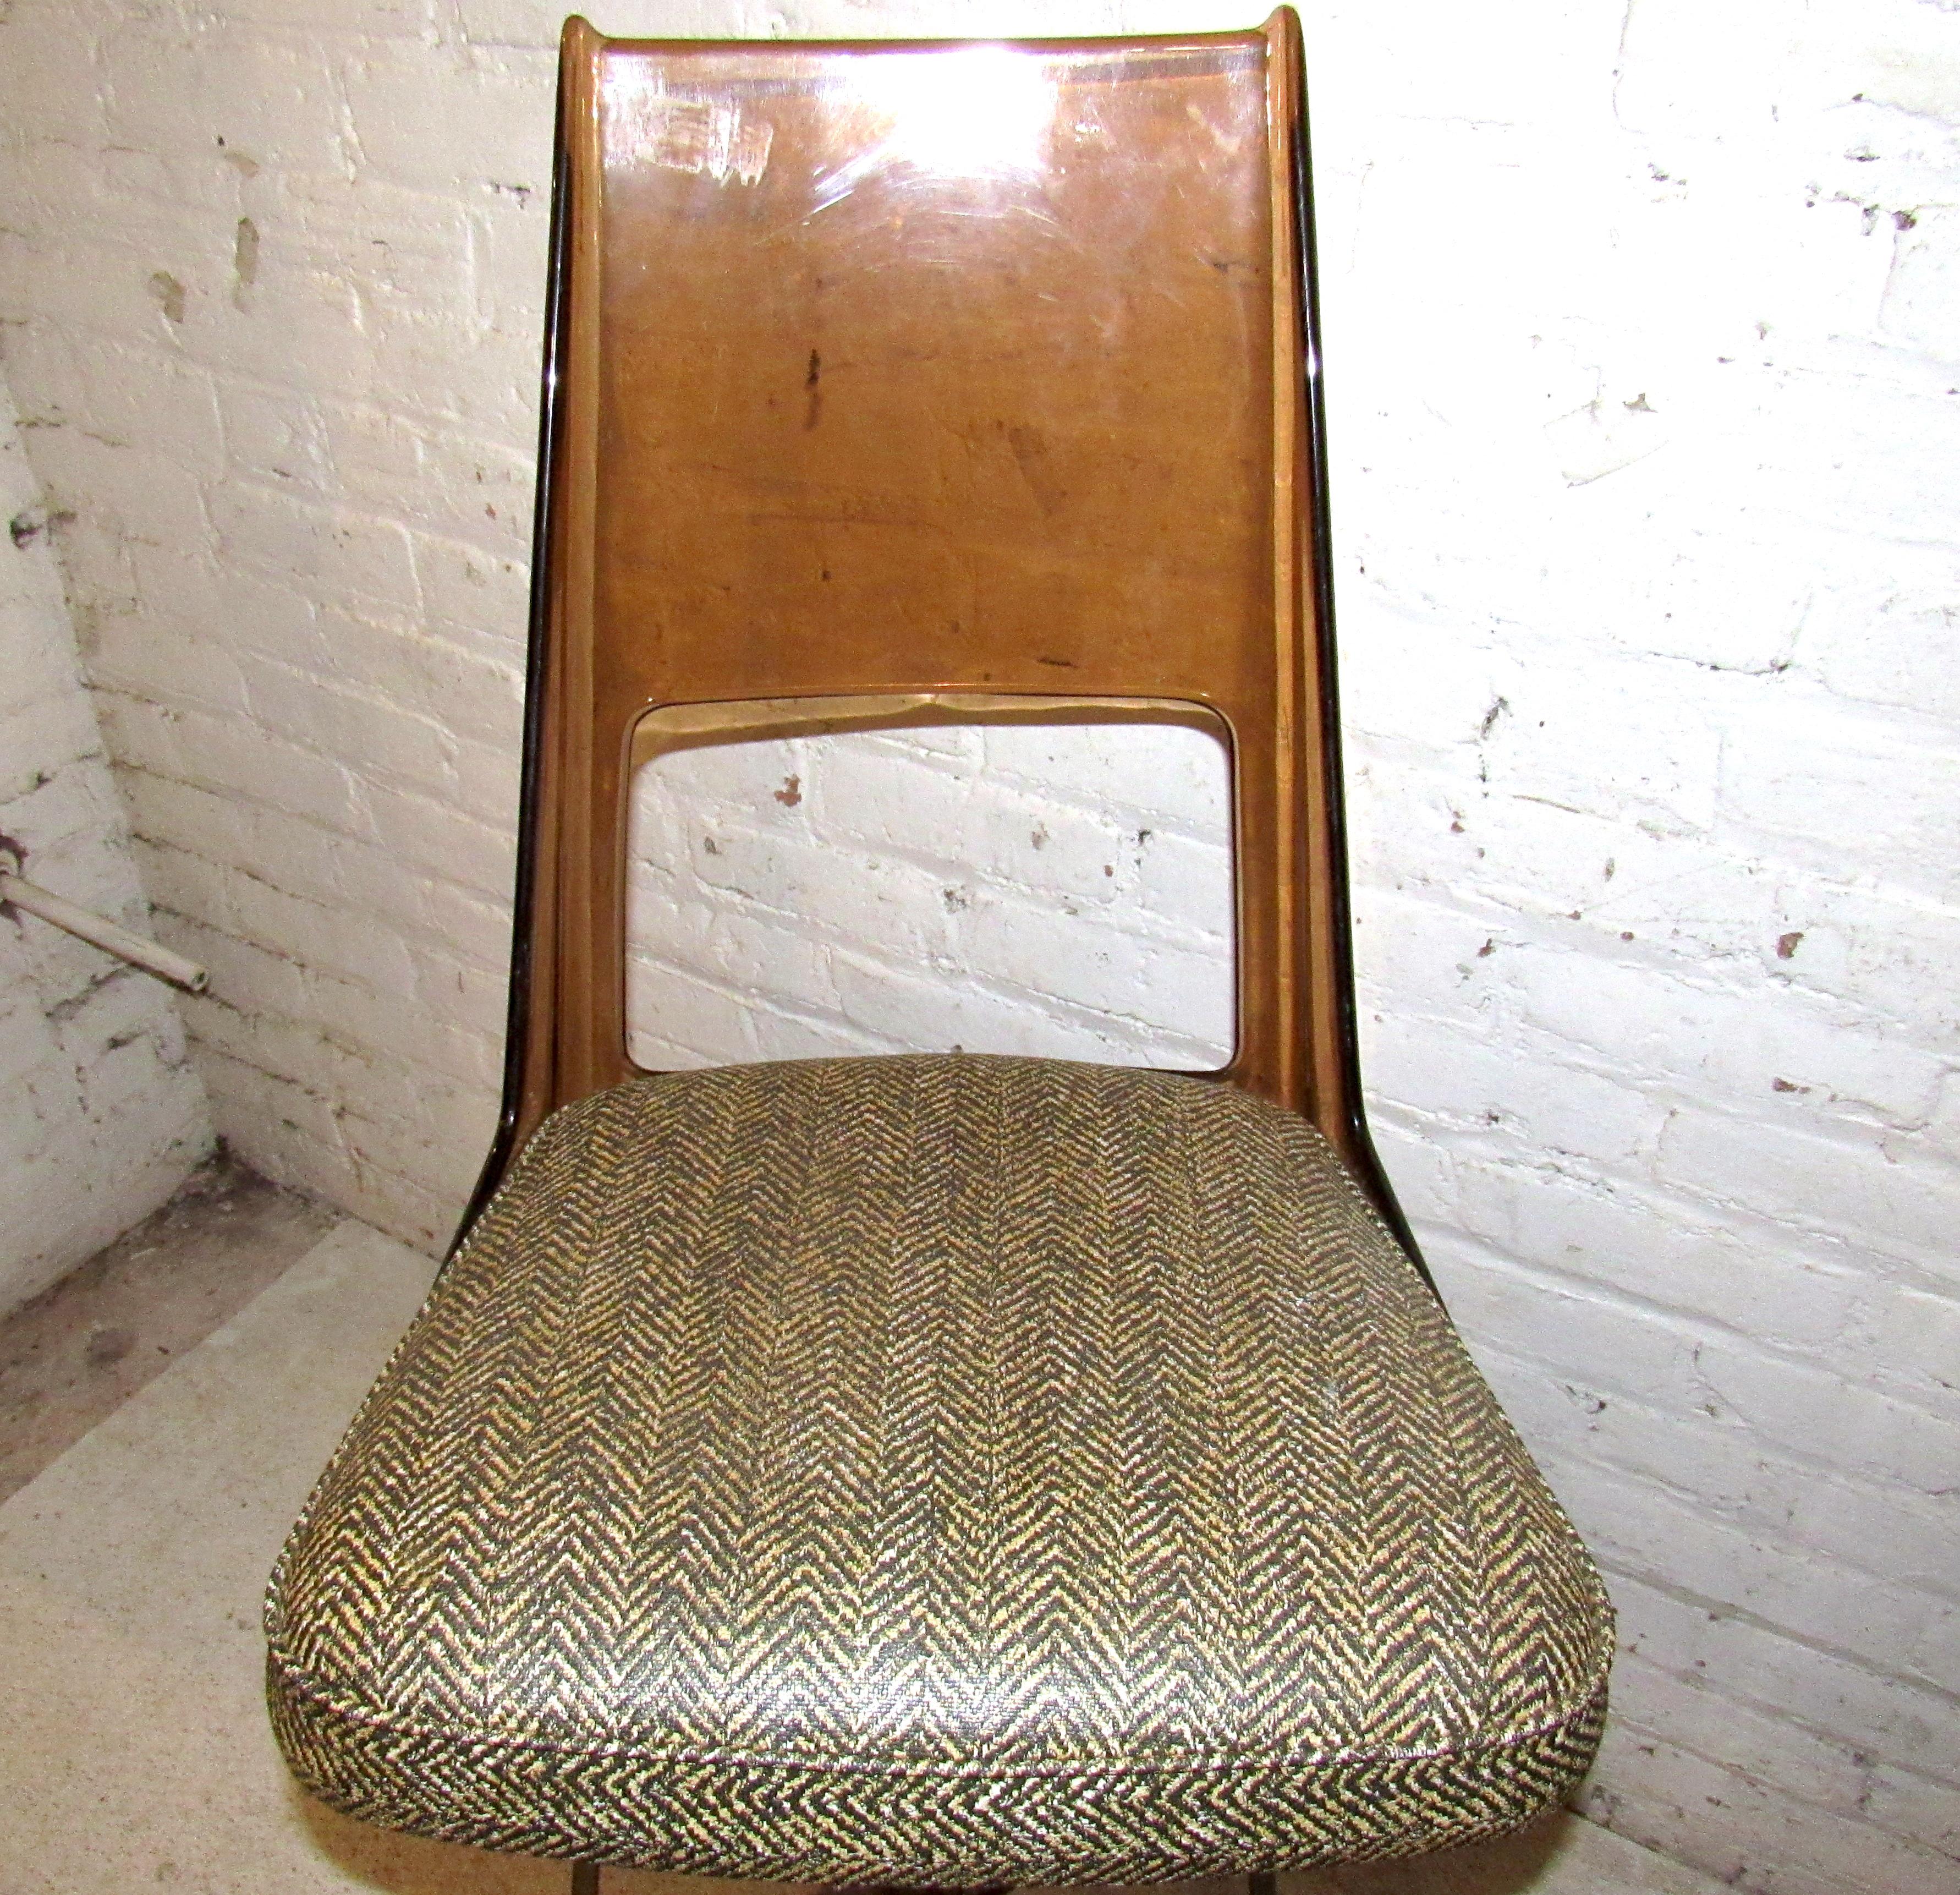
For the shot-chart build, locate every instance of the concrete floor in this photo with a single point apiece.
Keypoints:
(173, 1402)
(84, 1346)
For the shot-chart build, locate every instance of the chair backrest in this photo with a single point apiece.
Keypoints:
(897, 383)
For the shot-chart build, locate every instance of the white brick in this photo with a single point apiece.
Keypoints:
(1812, 1411)
(432, 835)
(1775, 1040)
(1637, 1443)
(385, 744)
(149, 497)
(341, 553)
(1867, 1191)
(1916, 1539)
(1917, 1340)
(1651, 1534)
(373, 1022)
(1705, 1640)
(1879, 949)
(518, 23)
(316, 324)
(231, 754)
(1169, 771)
(144, 396)
(1916, 1807)
(1828, 783)
(1024, 838)
(1714, 1727)
(1647, 752)
(1924, 285)
(680, 1020)
(497, 122)
(478, 600)
(104, 1118)
(1619, 1236)
(476, 929)
(128, 656)
(1880, 632)
(295, 856)
(1720, 1821)
(908, 1009)
(200, 599)
(317, 935)
(1440, 1067)
(32, 738)
(273, 436)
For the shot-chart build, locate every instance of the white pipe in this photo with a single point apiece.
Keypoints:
(105, 934)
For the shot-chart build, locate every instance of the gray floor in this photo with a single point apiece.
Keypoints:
(132, 1733)
(81, 1348)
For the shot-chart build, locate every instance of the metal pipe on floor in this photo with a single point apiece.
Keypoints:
(107, 935)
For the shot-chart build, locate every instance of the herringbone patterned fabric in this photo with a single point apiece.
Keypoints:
(945, 1470)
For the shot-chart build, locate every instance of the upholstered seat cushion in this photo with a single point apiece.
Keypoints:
(940, 1470)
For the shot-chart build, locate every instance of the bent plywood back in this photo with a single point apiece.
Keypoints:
(946, 377)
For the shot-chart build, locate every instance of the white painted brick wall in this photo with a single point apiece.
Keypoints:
(1642, 322)
(103, 1115)
(1028, 889)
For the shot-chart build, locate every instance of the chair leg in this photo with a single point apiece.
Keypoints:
(585, 1878)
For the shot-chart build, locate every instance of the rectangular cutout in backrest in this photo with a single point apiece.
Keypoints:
(1064, 890)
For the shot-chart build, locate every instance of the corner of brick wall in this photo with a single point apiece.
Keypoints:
(104, 1116)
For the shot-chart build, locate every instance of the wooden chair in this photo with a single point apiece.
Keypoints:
(939, 1470)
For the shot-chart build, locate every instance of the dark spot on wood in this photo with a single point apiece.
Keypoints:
(1063, 664)
(1489, 948)
(1787, 945)
(791, 792)
(1030, 448)
(1904, 219)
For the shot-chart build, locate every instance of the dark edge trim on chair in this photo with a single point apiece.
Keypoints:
(1373, 1179)
(523, 895)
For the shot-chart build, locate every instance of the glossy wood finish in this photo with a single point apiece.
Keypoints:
(937, 380)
